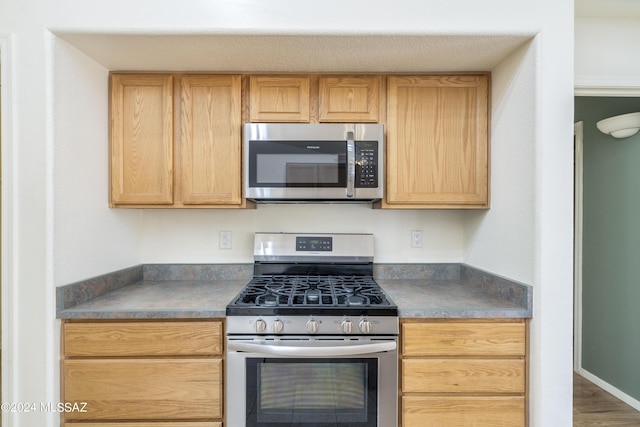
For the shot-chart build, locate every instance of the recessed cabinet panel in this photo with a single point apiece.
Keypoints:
(141, 139)
(211, 140)
(349, 99)
(437, 141)
(279, 98)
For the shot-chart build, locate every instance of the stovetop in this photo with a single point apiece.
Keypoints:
(313, 275)
(312, 294)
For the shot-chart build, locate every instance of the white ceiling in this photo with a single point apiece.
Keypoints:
(303, 53)
(607, 8)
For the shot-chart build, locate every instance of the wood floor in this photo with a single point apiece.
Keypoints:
(594, 407)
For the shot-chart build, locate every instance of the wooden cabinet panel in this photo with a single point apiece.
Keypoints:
(467, 338)
(211, 163)
(437, 141)
(463, 375)
(460, 372)
(349, 99)
(463, 411)
(141, 128)
(143, 424)
(126, 339)
(144, 389)
(279, 98)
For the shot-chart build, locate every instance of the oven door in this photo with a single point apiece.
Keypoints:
(312, 382)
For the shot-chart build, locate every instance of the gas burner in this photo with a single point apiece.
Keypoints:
(356, 300)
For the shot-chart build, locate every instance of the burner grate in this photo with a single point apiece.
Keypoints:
(312, 291)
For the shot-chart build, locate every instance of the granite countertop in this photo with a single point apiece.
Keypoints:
(203, 291)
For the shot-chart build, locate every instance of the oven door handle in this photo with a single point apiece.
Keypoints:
(278, 350)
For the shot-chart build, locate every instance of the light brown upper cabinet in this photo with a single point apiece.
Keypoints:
(141, 139)
(437, 141)
(176, 140)
(279, 98)
(349, 99)
(211, 163)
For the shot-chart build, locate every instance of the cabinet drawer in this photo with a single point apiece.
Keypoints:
(464, 339)
(463, 375)
(438, 411)
(144, 389)
(151, 424)
(143, 339)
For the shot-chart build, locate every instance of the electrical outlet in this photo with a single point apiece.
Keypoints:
(416, 238)
(225, 240)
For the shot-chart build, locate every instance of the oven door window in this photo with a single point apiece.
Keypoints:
(312, 392)
(297, 164)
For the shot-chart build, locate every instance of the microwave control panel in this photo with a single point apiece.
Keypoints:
(366, 164)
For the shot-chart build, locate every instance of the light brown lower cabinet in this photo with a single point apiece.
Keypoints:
(143, 373)
(464, 373)
(169, 424)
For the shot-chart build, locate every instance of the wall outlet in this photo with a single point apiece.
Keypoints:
(224, 242)
(416, 238)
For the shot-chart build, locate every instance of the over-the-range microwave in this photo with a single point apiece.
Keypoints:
(324, 162)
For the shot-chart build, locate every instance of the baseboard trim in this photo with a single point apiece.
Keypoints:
(610, 389)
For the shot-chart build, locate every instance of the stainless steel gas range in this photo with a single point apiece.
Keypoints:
(312, 338)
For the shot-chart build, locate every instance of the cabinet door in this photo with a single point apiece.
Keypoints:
(279, 98)
(349, 99)
(437, 141)
(141, 139)
(463, 411)
(211, 140)
(144, 389)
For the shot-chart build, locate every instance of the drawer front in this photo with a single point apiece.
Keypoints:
(143, 339)
(152, 424)
(463, 375)
(427, 411)
(463, 339)
(144, 389)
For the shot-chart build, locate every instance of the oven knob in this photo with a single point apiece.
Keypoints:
(312, 326)
(278, 326)
(347, 326)
(260, 326)
(365, 326)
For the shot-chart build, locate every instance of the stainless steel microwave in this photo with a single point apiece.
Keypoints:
(286, 162)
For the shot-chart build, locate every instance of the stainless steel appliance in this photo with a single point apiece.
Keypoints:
(313, 162)
(312, 339)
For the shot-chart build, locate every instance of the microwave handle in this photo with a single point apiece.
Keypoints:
(351, 164)
(277, 350)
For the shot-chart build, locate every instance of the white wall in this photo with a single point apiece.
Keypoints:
(62, 221)
(606, 55)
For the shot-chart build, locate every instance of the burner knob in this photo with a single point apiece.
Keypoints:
(347, 326)
(312, 326)
(365, 326)
(260, 326)
(278, 326)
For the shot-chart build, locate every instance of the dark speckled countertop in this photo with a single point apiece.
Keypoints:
(203, 291)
